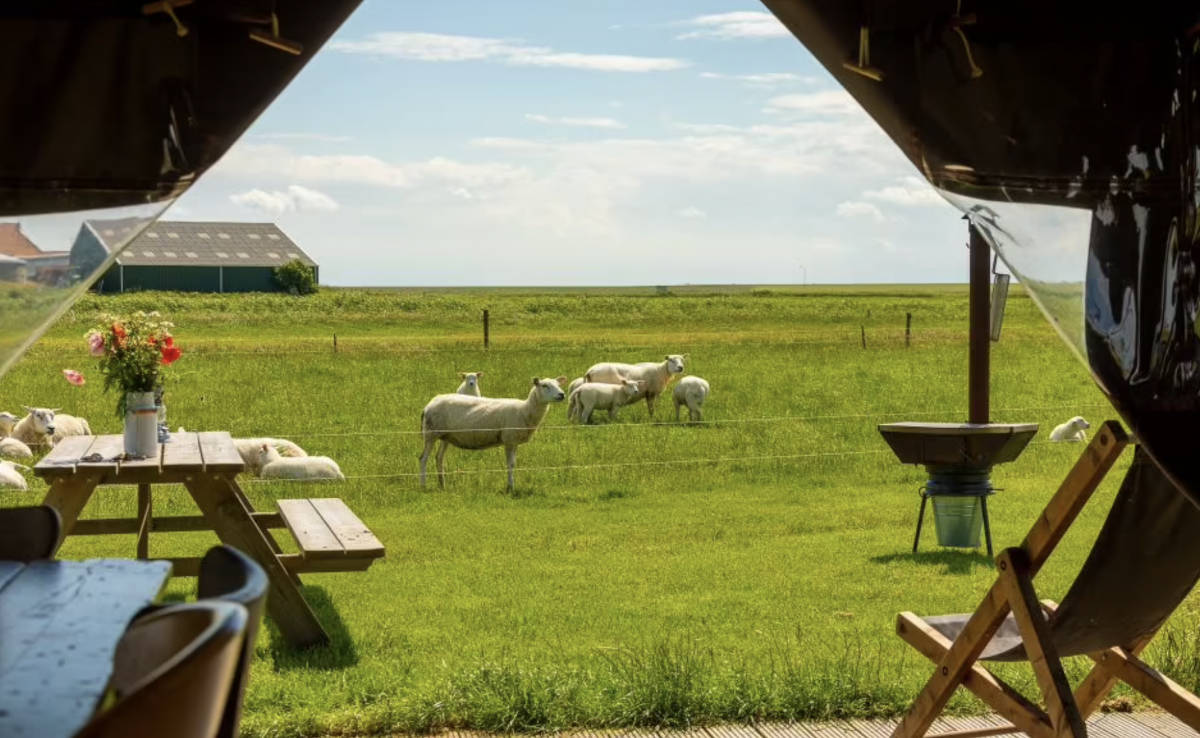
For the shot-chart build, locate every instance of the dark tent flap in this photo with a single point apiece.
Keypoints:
(110, 106)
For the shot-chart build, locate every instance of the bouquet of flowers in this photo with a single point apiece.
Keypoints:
(133, 351)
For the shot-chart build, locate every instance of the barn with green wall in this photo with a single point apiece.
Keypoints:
(187, 256)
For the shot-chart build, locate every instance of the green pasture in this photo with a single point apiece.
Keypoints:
(642, 574)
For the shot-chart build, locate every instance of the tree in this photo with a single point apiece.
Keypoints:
(296, 277)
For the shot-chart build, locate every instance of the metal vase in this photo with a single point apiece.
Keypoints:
(141, 425)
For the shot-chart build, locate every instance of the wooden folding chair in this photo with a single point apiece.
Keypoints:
(1144, 562)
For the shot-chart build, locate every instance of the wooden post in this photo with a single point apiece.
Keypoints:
(864, 335)
(145, 516)
(486, 338)
(979, 356)
(335, 343)
(907, 329)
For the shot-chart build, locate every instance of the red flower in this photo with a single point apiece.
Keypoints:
(168, 340)
(170, 354)
(119, 331)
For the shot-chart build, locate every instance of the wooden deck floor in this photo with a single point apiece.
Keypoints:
(1110, 725)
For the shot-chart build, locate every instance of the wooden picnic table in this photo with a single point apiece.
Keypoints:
(60, 622)
(329, 536)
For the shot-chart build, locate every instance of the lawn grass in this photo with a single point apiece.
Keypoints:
(641, 574)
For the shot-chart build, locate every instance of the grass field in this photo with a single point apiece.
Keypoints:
(641, 574)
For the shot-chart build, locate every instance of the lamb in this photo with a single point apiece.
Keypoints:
(69, 425)
(11, 478)
(572, 387)
(656, 376)
(1071, 431)
(590, 396)
(248, 449)
(14, 449)
(470, 384)
(37, 428)
(691, 391)
(485, 422)
(274, 466)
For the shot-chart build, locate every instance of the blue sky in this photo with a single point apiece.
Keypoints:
(579, 143)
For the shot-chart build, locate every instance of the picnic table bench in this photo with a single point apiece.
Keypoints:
(328, 535)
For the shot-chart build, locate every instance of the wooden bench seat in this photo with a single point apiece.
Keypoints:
(329, 535)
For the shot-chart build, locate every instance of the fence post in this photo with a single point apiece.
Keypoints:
(486, 338)
(864, 335)
(335, 343)
(907, 329)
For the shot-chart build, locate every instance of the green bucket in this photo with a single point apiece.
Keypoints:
(958, 519)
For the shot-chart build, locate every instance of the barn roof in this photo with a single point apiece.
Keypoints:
(186, 243)
(15, 243)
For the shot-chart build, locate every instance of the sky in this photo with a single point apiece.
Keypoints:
(590, 142)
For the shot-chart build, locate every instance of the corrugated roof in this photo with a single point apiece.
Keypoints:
(15, 243)
(186, 243)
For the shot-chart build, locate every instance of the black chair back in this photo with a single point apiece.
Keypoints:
(28, 533)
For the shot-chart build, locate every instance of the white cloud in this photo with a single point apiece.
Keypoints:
(740, 24)
(439, 47)
(321, 137)
(580, 122)
(911, 192)
(823, 102)
(692, 212)
(858, 209)
(278, 202)
(765, 79)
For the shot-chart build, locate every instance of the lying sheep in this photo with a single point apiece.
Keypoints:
(10, 478)
(14, 449)
(69, 425)
(272, 465)
(691, 391)
(1071, 431)
(248, 449)
(470, 384)
(590, 396)
(37, 428)
(656, 376)
(484, 422)
(7, 421)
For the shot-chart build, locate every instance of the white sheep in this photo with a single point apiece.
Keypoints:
(470, 384)
(485, 422)
(69, 425)
(274, 466)
(1071, 431)
(14, 449)
(11, 478)
(656, 376)
(591, 396)
(691, 391)
(572, 387)
(7, 421)
(248, 449)
(37, 428)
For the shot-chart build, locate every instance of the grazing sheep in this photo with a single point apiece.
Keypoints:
(69, 425)
(7, 421)
(11, 478)
(572, 387)
(37, 428)
(274, 466)
(248, 449)
(591, 396)
(1071, 431)
(470, 384)
(656, 376)
(691, 391)
(484, 422)
(14, 449)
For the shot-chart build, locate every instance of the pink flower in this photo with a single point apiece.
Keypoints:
(73, 377)
(95, 343)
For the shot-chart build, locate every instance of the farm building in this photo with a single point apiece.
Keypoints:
(48, 267)
(12, 269)
(186, 256)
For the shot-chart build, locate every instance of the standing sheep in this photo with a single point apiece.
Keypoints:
(572, 387)
(656, 376)
(470, 384)
(274, 466)
(590, 396)
(691, 391)
(485, 422)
